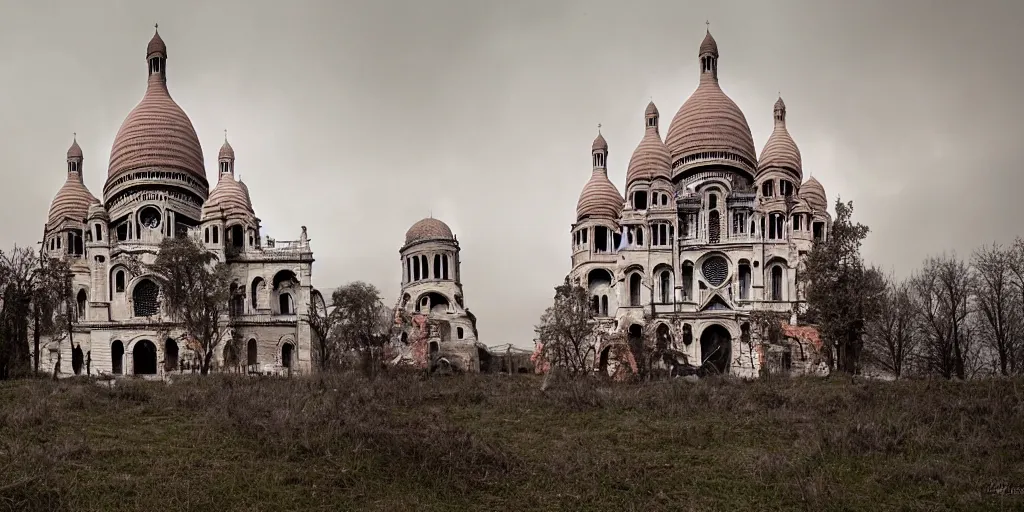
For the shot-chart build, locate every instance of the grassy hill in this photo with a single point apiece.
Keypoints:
(495, 442)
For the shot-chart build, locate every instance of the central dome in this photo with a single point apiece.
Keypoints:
(709, 121)
(157, 133)
(428, 229)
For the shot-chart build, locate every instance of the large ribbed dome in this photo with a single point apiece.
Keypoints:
(651, 158)
(428, 229)
(157, 132)
(781, 152)
(814, 194)
(709, 120)
(599, 198)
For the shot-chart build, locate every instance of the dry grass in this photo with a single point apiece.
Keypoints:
(493, 442)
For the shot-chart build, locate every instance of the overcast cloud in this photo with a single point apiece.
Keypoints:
(357, 119)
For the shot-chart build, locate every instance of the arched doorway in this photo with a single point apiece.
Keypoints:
(144, 358)
(117, 358)
(716, 348)
(286, 355)
(170, 355)
(662, 337)
(77, 359)
(250, 353)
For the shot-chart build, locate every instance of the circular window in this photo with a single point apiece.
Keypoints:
(715, 270)
(150, 217)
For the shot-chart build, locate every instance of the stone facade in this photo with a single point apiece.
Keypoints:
(705, 234)
(157, 188)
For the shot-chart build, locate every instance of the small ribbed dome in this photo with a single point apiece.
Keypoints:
(814, 194)
(156, 45)
(72, 201)
(599, 143)
(156, 133)
(781, 152)
(599, 198)
(230, 196)
(75, 151)
(428, 229)
(708, 45)
(651, 159)
(226, 151)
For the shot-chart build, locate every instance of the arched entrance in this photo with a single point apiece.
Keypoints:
(144, 358)
(116, 357)
(663, 337)
(716, 348)
(77, 359)
(286, 355)
(170, 355)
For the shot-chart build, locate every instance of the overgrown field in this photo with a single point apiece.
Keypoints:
(496, 442)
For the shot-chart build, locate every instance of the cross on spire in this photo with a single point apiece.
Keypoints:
(74, 136)
(225, 135)
(156, 26)
(708, 23)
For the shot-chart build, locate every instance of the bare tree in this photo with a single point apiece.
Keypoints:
(567, 330)
(942, 292)
(891, 336)
(323, 321)
(998, 303)
(363, 324)
(195, 287)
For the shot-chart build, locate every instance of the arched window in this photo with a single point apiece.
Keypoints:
(99, 233)
(744, 275)
(216, 235)
(639, 236)
(666, 287)
(81, 300)
(714, 227)
(460, 332)
(595, 305)
(144, 298)
(119, 281)
(634, 289)
(712, 201)
(604, 305)
(285, 300)
(444, 267)
(687, 281)
(258, 287)
(776, 293)
(437, 266)
(415, 269)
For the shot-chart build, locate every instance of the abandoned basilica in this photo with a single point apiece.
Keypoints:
(707, 232)
(157, 187)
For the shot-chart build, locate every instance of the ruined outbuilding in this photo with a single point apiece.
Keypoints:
(433, 327)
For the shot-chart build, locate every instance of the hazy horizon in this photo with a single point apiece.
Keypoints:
(357, 119)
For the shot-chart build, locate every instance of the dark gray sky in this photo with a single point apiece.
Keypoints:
(357, 119)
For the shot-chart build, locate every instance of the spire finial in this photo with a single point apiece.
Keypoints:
(225, 134)
(598, 128)
(156, 26)
(708, 23)
(74, 136)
